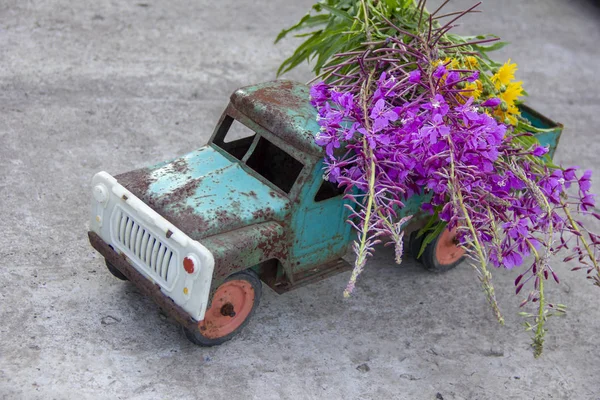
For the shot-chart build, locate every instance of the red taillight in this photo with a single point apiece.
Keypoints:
(188, 265)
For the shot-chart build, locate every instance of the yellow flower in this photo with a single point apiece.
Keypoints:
(505, 74)
(471, 62)
(513, 91)
(511, 114)
(473, 89)
(450, 63)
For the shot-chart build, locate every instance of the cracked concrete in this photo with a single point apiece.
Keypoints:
(107, 85)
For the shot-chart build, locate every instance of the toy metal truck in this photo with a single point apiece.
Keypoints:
(198, 233)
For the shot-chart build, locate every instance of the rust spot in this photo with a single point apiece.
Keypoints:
(282, 107)
(172, 205)
(263, 214)
(124, 197)
(251, 193)
(240, 249)
(227, 310)
(137, 182)
(169, 233)
(180, 165)
(186, 219)
(280, 93)
(229, 218)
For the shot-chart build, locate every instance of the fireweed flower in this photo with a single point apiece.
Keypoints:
(415, 76)
(382, 117)
(439, 71)
(430, 130)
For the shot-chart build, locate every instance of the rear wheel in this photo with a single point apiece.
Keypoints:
(115, 272)
(442, 254)
(233, 304)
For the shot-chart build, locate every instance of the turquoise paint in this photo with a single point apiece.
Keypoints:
(537, 120)
(215, 189)
(320, 231)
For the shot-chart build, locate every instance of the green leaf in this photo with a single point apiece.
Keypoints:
(336, 12)
(301, 54)
(429, 225)
(307, 21)
(335, 45)
(492, 47)
(432, 236)
(530, 128)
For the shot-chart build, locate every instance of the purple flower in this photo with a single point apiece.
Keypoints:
(512, 259)
(439, 71)
(452, 78)
(428, 207)
(585, 182)
(516, 229)
(319, 93)
(468, 111)
(588, 202)
(437, 105)
(473, 77)
(414, 76)
(435, 129)
(382, 117)
(344, 100)
(433, 136)
(569, 173)
(492, 102)
(540, 151)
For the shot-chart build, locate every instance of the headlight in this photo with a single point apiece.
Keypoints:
(100, 193)
(191, 264)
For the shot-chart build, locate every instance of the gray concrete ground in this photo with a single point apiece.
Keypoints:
(114, 85)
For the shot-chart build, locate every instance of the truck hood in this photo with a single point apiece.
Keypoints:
(204, 193)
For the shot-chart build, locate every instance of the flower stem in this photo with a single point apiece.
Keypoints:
(485, 274)
(575, 226)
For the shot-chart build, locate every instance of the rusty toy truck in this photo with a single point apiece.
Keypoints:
(198, 233)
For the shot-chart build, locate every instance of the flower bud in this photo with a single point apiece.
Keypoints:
(504, 106)
(518, 279)
(502, 88)
(519, 288)
(491, 102)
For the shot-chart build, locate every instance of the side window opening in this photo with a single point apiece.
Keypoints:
(327, 191)
(234, 137)
(275, 165)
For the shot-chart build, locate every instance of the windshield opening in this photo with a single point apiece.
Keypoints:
(275, 165)
(234, 137)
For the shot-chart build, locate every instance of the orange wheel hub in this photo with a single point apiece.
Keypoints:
(447, 250)
(231, 305)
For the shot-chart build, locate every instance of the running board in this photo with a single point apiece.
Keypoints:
(313, 275)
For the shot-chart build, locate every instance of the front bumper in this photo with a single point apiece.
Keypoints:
(146, 286)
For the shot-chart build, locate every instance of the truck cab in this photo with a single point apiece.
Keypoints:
(250, 204)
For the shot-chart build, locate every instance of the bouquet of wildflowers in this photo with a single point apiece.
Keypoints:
(406, 107)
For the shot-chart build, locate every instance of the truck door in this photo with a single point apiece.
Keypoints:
(319, 225)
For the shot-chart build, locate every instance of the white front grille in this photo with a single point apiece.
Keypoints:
(155, 255)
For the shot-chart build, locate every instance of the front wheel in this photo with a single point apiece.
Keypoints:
(233, 304)
(115, 272)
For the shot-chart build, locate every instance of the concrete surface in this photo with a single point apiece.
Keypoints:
(116, 85)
